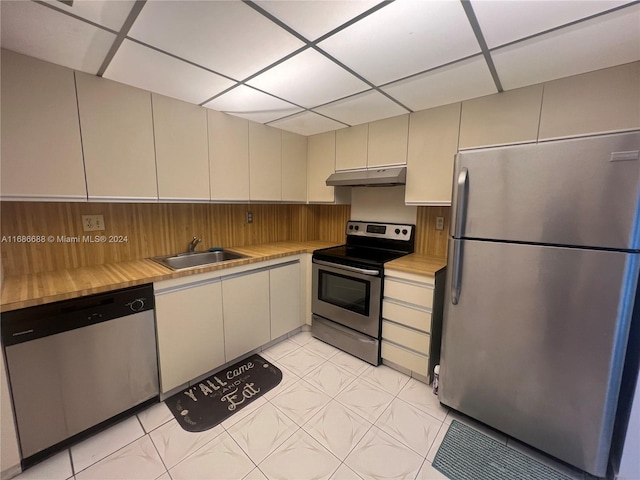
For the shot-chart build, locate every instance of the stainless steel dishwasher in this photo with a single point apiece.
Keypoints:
(79, 365)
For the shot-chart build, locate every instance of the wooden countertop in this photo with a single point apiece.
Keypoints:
(21, 291)
(417, 263)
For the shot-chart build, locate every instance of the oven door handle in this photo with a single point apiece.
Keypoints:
(362, 271)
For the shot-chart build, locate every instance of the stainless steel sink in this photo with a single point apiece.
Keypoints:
(196, 259)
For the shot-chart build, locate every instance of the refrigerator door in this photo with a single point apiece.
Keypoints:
(535, 345)
(582, 192)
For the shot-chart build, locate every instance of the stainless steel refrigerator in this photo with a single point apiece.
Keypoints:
(544, 257)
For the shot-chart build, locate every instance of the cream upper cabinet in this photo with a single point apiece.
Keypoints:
(41, 148)
(228, 156)
(387, 143)
(351, 147)
(117, 138)
(321, 162)
(265, 163)
(182, 155)
(433, 142)
(501, 119)
(294, 167)
(606, 100)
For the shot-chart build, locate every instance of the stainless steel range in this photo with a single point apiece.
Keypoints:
(347, 286)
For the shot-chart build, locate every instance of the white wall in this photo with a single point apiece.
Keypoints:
(381, 204)
(9, 454)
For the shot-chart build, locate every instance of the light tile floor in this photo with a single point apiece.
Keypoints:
(331, 417)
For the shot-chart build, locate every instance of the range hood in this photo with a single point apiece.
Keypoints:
(381, 177)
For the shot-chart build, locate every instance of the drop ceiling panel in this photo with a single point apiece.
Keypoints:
(142, 67)
(251, 104)
(109, 14)
(308, 79)
(49, 35)
(307, 123)
(604, 41)
(227, 37)
(364, 107)
(454, 83)
(404, 38)
(312, 18)
(502, 22)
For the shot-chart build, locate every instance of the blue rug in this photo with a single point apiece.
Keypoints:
(466, 454)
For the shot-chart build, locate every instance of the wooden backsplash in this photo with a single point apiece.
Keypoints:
(159, 229)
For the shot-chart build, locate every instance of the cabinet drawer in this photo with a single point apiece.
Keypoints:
(409, 292)
(417, 319)
(405, 358)
(406, 337)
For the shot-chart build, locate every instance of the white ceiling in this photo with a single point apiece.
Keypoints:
(310, 66)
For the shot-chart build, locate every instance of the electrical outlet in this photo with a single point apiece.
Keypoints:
(92, 223)
(249, 217)
(439, 223)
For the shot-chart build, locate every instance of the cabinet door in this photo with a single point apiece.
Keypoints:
(602, 101)
(433, 143)
(246, 313)
(117, 138)
(294, 167)
(351, 147)
(182, 155)
(285, 299)
(321, 163)
(501, 119)
(387, 143)
(228, 156)
(190, 333)
(265, 162)
(41, 148)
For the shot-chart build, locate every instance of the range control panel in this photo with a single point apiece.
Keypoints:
(391, 231)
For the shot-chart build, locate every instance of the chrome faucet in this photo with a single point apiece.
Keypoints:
(192, 244)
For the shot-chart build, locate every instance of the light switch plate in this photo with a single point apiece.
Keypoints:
(92, 223)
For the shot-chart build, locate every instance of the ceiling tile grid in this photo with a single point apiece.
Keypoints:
(309, 66)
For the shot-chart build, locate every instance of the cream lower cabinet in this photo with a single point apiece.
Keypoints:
(412, 321)
(285, 296)
(246, 312)
(190, 330)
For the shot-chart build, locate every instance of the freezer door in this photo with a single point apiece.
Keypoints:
(583, 192)
(534, 346)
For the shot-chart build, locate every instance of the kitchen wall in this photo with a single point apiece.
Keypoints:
(158, 229)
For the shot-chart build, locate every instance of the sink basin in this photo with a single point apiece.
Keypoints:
(196, 259)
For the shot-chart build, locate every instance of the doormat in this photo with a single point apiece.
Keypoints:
(466, 454)
(214, 399)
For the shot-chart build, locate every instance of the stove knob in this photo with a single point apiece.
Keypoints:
(404, 231)
(350, 227)
(357, 227)
(397, 231)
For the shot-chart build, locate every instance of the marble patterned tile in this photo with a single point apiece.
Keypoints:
(154, 416)
(301, 338)
(414, 428)
(330, 378)
(243, 412)
(323, 349)
(219, 459)
(301, 361)
(281, 349)
(436, 443)
(421, 396)
(349, 362)
(428, 472)
(164, 476)
(103, 444)
(261, 432)
(300, 457)
(288, 380)
(57, 467)
(380, 456)
(337, 428)
(301, 402)
(255, 474)
(138, 460)
(365, 399)
(345, 473)
(174, 444)
(386, 378)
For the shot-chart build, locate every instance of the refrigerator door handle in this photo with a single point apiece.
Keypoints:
(456, 271)
(460, 203)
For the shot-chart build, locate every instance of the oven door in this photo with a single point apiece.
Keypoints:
(348, 295)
